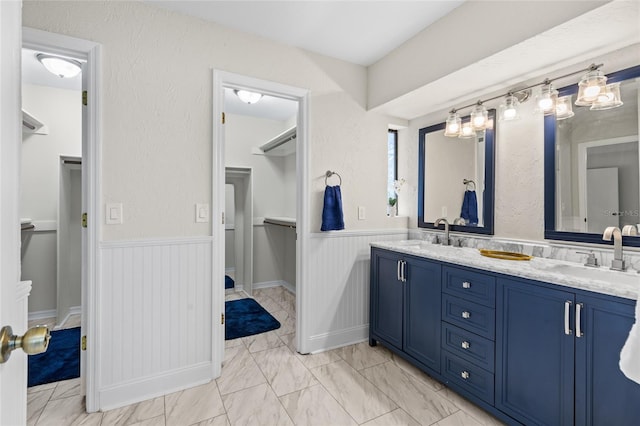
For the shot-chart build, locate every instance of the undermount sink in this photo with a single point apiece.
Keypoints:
(506, 255)
(597, 274)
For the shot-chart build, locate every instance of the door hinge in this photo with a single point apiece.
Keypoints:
(83, 345)
(222, 319)
(223, 118)
(84, 220)
(223, 218)
(84, 97)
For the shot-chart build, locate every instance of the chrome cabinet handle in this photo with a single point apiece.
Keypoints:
(466, 284)
(404, 271)
(465, 375)
(465, 345)
(579, 307)
(398, 270)
(567, 307)
(466, 314)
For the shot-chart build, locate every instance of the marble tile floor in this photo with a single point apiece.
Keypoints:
(265, 382)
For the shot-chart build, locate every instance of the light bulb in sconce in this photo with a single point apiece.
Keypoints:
(479, 117)
(509, 109)
(609, 98)
(546, 100)
(590, 86)
(453, 125)
(563, 108)
(467, 132)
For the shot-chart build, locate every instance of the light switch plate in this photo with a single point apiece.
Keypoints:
(113, 214)
(202, 213)
(362, 213)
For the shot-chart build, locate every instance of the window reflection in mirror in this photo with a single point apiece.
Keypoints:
(456, 179)
(592, 168)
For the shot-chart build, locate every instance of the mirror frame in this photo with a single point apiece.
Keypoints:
(489, 179)
(550, 231)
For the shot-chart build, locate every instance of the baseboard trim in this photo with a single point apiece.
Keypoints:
(132, 392)
(338, 339)
(50, 313)
(269, 284)
(74, 310)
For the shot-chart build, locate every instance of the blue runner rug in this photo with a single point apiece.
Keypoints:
(246, 317)
(61, 361)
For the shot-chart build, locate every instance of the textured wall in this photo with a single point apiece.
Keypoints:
(157, 110)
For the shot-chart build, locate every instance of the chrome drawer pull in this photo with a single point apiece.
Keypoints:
(466, 314)
(466, 284)
(567, 328)
(465, 345)
(465, 375)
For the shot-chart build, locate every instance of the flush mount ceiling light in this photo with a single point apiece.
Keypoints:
(62, 67)
(247, 96)
(592, 92)
(563, 108)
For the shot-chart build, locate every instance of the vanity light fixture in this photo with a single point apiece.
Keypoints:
(247, 96)
(609, 98)
(592, 91)
(564, 109)
(62, 67)
(590, 86)
(479, 117)
(454, 124)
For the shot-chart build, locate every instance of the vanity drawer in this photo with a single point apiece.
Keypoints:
(471, 285)
(470, 316)
(468, 346)
(468, 376)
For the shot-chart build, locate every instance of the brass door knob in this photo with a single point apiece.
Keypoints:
(34, 341)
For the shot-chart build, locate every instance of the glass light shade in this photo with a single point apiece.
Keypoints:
(479, 117)
(564, 109)
(467, 131)
(248, 97)
(453, 126)
(546, 100)
(590, 86)
(608, 98)
(62, 67)
(509, 109)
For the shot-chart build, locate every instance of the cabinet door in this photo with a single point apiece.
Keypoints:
(604, 396)
(534, 356)
(422, 306)
(386, 298)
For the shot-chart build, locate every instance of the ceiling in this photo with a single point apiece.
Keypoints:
(360, 32)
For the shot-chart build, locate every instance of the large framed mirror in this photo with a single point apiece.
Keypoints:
(456, 179)
(592, 167)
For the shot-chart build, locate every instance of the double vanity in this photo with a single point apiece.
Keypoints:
(534, 342)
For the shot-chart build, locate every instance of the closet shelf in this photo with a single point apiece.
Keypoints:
(281, 145)
(30, 124)
(289, 222)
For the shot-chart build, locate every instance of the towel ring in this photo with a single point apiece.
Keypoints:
(469, 181)
(329, 174)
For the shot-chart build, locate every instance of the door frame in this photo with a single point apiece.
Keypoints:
(582, 169)
(91, 184)
(222, 80)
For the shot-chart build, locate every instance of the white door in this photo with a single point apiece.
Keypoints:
(13, 295)
(602, 199)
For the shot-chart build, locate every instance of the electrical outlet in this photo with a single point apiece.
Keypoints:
(361, 213)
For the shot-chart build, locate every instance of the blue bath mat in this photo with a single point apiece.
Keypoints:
(228, 282)
(246, 317)
(61, 361)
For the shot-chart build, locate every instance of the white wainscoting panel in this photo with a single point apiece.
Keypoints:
(155, 318)
(338, 273)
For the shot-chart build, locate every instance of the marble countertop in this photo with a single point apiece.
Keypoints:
(569, 274)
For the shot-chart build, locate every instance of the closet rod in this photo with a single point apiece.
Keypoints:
(273, 222)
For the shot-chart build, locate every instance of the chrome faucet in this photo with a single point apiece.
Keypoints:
(618, 263)
(445, 241)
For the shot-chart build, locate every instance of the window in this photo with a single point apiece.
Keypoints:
(392, 169)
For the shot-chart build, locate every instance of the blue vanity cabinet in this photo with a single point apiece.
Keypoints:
(534, 356)
(405, 305)
(604, 395)
(557, 356)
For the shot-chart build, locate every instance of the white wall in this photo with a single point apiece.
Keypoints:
(60, 110)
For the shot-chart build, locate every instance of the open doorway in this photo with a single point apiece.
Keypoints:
(286, 218)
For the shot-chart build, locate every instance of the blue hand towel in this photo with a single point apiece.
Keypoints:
(469, 211)
(332, 218)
